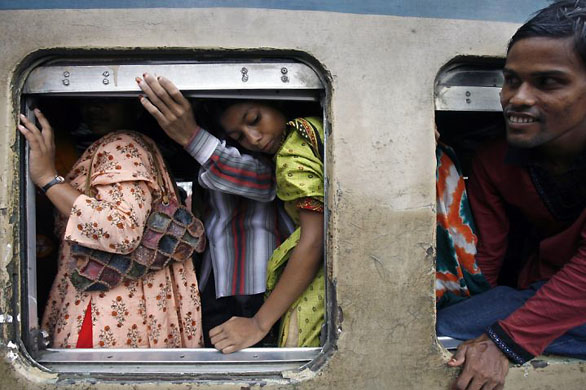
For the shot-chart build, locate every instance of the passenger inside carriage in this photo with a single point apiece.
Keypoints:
(457, 273)
(537, 173)
(295, 284)
(102, 297)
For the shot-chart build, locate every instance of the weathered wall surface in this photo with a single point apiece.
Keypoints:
(380, 165)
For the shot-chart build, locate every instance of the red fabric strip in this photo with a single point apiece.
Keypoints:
(239, 171)
(85, 338)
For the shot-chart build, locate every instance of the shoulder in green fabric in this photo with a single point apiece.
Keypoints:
(310, 129)
(299, 166)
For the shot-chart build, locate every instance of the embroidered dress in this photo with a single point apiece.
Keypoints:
(457, 274)
(300, 184)
(162, 310)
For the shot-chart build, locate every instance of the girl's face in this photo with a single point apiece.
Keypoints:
(255, 126)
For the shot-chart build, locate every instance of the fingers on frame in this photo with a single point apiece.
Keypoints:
(174, 92)
(219, 338)
(45, 125)
(31, 133)
(215, 331)
(460, 355)
(229, 349)
(223, 344)
(47, 132)
(29, 125)
(152, 96)
(153, 110)
(161, 92)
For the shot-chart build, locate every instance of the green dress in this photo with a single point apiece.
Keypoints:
(300, 185)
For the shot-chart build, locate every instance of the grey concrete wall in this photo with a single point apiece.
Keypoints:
(380, 166)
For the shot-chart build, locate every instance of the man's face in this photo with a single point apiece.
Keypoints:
(544, 93)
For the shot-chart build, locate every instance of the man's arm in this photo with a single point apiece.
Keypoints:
(482, 361)
(558, 306)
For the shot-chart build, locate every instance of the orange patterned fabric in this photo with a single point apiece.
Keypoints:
(162, 310)
(457, 273)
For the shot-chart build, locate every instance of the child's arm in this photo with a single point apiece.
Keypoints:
(224, 169)
(238, 332)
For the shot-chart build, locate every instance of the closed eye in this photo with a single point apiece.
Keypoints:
(235, 135)
(252, 117)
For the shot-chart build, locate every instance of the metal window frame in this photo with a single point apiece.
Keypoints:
(266, 79)
(467, 87)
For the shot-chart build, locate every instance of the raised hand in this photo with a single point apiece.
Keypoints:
(169, 107)
(42, 148)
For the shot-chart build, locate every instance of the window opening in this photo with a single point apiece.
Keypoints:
(58, 89)
(468, 114)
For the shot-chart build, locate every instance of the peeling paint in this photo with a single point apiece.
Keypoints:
(12, 354)
(299, 375)
(7, 254)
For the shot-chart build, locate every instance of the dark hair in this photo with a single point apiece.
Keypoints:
(209, 113)
(562, 19)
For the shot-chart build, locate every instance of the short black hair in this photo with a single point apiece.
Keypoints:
(561, 19)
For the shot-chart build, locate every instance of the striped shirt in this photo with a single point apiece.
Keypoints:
(242, 219)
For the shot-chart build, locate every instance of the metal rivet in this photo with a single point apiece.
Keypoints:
(467, 93)
(66, 74)
(468, 101)
(243, 70)
(284, 70)
(65, 82)
(45, 338)
(244, 77)
(106, 81)
(106, 73)
(285, 79)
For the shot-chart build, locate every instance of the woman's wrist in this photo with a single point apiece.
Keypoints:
(45, 179)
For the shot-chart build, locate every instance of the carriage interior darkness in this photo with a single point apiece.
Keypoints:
(64, 115)
(468, 114)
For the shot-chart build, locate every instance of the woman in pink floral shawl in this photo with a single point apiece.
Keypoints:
(162, 309)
